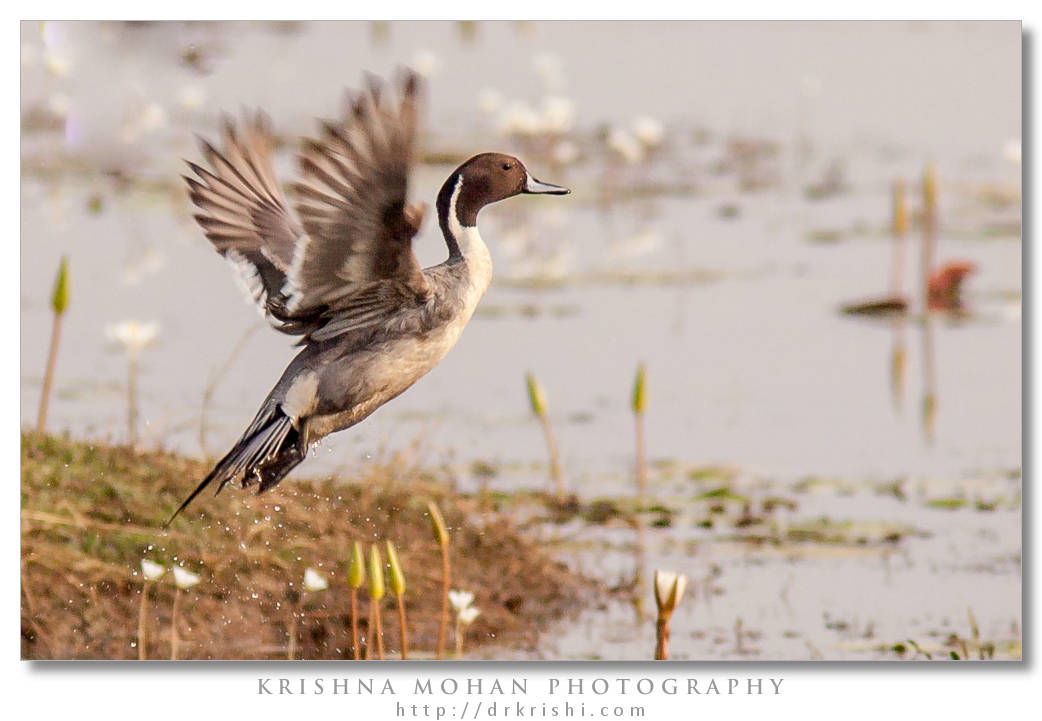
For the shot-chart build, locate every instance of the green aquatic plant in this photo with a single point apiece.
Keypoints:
(537, 400)
(59, 302)
(441, 537)
(355, 579)
(398, 586)
(639, 404)
(376, 593)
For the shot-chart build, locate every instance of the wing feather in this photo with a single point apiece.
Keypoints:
(352, 205)
(244, 212)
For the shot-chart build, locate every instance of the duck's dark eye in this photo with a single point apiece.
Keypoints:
(506, 166)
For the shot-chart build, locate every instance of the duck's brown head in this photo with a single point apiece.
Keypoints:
(485, 179)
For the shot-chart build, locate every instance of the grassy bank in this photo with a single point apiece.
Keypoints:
(90, 513)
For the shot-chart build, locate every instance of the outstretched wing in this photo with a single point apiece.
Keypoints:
(355, 265)
(245, 215)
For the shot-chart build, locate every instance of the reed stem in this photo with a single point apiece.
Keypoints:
(639, 403)
(294, 622)
(642, 468)
(401, 625)
(59, 302)
(142, 624)
(899, 225)
(443, 626)
(378, 632)
(132, 399)
(48, 376)
(459, 637)
(929, 232)
(662, 639)
(555, 461)
(174, 641)
(354, 624)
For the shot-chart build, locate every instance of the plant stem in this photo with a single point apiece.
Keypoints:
(443, 627)
(142, 620)
(662, 639)
(929, 410)
(929, 240)
(459, 637)
(132, 399)
(401, 624)
(555, 463)
(354, 624)
(173, 626)
(378, 633)
(298, 608)
(642, 469)
(48, 376)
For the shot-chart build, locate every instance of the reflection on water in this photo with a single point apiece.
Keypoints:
(722, 212)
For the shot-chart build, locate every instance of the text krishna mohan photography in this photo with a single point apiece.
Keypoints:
(515, 341)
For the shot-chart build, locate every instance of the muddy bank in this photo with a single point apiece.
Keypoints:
(90, 513)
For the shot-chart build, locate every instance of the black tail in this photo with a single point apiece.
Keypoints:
(264, 454)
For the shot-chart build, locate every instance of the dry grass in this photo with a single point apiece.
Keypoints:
(90, 513)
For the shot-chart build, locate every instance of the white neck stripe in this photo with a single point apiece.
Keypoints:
(455, 227)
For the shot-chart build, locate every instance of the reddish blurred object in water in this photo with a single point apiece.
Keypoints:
(945, 285)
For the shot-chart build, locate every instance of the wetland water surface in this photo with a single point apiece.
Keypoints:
(822, 506)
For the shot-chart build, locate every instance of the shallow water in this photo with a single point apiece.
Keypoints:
(729, 294)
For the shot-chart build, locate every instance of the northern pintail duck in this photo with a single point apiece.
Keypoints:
(340, 272)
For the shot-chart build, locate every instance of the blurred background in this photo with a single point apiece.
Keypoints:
(750, 217)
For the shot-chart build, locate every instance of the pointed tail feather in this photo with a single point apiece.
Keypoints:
(269, 453)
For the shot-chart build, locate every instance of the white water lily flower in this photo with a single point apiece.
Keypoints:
(60, 104)
(30, 54)
(314, 581)
(490, 101)
(550, 70)
(468, 614)
(191, 97)
(628, 148)
(153, 117)
(461, 600)
(151, 571)
(519, 118)
(184, 579)
(134, 336)
(565, 152)
(58, 64)
(558, 114)
(649, 131)
(669, 588)
(1011, 151)
(426, 63)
